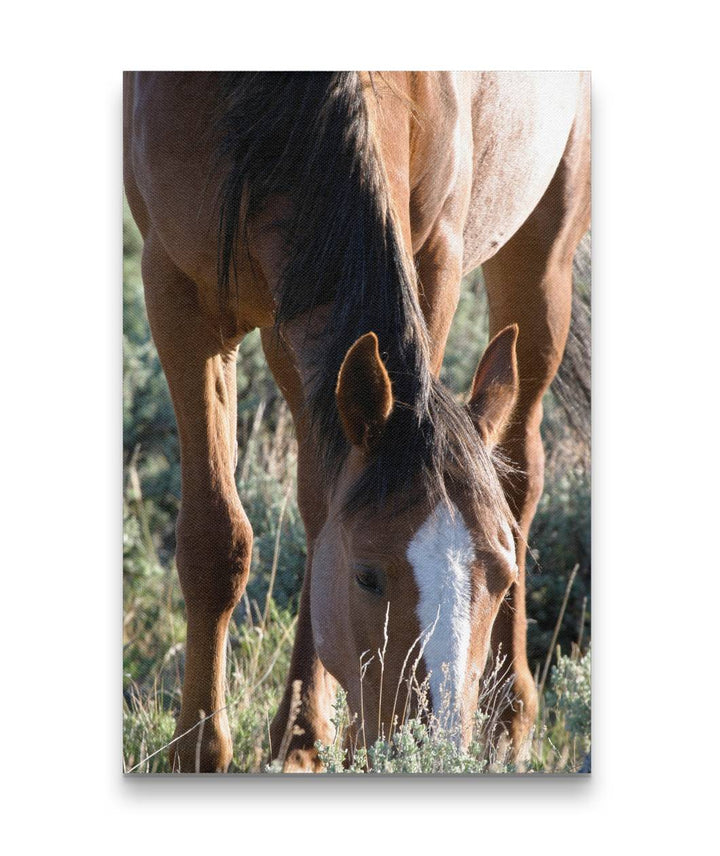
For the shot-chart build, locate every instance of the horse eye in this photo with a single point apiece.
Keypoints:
(369, 579)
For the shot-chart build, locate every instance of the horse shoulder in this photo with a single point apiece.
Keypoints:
(171, 164)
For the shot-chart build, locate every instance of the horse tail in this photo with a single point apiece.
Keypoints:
(572, 384)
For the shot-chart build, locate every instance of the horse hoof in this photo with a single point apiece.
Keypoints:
(302, 761)
(212, 755)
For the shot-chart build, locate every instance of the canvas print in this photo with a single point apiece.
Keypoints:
(356, 423)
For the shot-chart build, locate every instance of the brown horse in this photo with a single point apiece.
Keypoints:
(338, 212)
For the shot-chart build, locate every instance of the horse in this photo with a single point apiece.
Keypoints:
(338, 212)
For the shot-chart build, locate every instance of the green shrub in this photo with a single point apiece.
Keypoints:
(569, 696)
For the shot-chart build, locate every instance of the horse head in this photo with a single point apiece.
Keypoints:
(405, 591)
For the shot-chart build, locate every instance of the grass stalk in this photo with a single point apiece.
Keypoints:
(556, 631)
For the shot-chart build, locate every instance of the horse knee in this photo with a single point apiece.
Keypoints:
(534, 470)
(524, 449)
(214, 548)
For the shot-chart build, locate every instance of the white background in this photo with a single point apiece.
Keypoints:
(655, 318)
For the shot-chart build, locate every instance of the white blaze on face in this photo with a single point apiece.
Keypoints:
(441, 554)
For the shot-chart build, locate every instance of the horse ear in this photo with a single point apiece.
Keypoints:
(495, 386)
(364, 393)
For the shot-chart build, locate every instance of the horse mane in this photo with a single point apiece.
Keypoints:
(307, 137)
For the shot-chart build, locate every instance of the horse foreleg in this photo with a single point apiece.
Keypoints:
(214, 537)
(311, 721)
(529, 282)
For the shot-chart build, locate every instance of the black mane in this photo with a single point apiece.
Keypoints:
(307, 136)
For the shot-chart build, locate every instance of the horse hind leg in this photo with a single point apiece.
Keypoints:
(529, 282)
(214, 537)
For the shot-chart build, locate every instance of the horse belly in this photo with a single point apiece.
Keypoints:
(521, 124)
